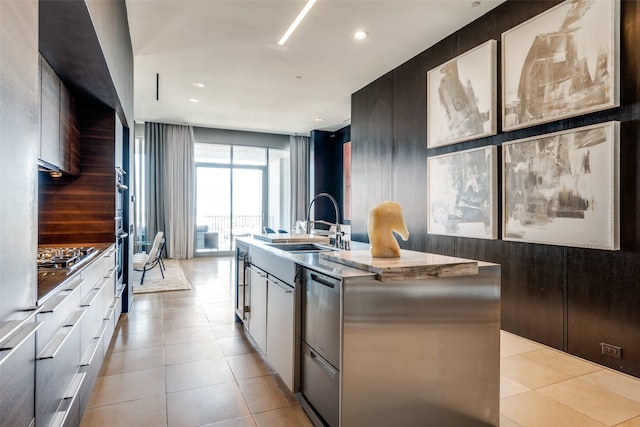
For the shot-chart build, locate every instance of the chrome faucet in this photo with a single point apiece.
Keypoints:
(338, 239)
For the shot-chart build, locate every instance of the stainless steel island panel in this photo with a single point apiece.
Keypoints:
(422, 352)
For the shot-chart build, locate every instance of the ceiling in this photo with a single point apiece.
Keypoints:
(250, 82)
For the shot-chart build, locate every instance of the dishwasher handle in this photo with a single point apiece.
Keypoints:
(323, 281)
(322, 364)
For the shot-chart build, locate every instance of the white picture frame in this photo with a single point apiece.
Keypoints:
(461, 97)
(563, 188)
(461, 193)
(562, 63)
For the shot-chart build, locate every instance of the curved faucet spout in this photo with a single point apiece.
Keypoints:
(335, 206)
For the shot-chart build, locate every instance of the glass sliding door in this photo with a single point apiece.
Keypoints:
(248, 201)
(239, 190)
(213, 209)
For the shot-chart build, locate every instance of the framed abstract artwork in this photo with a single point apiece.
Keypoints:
(561, 63)
(563, 188)
(461, 97)
(461, 193)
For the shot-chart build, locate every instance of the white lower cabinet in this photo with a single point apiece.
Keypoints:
(77, 325)
(280, 329)
(271, 321)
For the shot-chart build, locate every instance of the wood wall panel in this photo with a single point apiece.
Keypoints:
(371, 161)
(533, 292)
(603, 306)
(82, 209)
(568, 298)
(409, 151)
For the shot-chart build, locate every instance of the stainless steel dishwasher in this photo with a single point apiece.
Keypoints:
(320, 380)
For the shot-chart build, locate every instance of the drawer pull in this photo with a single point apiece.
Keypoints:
(90, 298)
(13, 344)
(87, 360)
(54, 303)
(109, 273)
(325, 366)
(68, 402)
(55, 344)
(75, 285)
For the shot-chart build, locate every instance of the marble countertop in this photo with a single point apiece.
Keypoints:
(358, 262)
(410, 264)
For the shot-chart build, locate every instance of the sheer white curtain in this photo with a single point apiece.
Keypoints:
(299, 157)
(170, 185)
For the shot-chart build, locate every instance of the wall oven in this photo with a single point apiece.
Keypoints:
(121, 233)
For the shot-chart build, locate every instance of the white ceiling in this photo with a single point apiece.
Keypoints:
(252, 83)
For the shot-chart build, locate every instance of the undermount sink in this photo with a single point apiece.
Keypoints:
(301, 248)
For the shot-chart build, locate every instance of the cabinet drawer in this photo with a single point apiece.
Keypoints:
(93, 305)
(110, 290)
(56, 366)
(90, 365)
(17, 384)
(93, 275)
(68, 413)
(109, 261)
(56, 311)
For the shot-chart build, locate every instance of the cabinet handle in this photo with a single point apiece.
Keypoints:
(68, 401)
(90, 298)
(286, 288)
(53, 347)
(96, 344)
(52, 305)
(323, 281)
(258, 272)
(110, 272)
(13, 344)
(325, 366)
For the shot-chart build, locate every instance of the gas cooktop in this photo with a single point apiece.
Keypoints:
(62, 258)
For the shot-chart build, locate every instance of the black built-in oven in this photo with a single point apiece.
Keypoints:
(121, 233)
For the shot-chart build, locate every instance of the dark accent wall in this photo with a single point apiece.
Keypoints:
(327, 171)
(569, 298)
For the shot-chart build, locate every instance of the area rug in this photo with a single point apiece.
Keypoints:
(174, 279)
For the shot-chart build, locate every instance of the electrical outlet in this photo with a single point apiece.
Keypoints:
(611, 350)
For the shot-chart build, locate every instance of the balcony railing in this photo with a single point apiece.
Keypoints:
(228, 228)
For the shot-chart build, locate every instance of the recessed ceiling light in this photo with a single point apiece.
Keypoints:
(475, 4)
(297, 21)
(360, 35)
(198, 84)
(319, 119)
(194, 100)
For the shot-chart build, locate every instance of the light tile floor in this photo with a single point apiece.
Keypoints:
(179, 359)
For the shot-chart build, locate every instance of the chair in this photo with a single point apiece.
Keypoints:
(146, 261)
(268, 230)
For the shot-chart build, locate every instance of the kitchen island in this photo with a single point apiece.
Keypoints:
(407, 342)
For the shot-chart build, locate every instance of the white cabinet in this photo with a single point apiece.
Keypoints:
(257, 315)
(271, 319)
(280, 329)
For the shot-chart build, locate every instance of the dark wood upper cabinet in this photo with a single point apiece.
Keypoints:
(59, 136)
(49, 115)
(69, 134)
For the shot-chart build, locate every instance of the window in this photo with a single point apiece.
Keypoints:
(239, 190)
